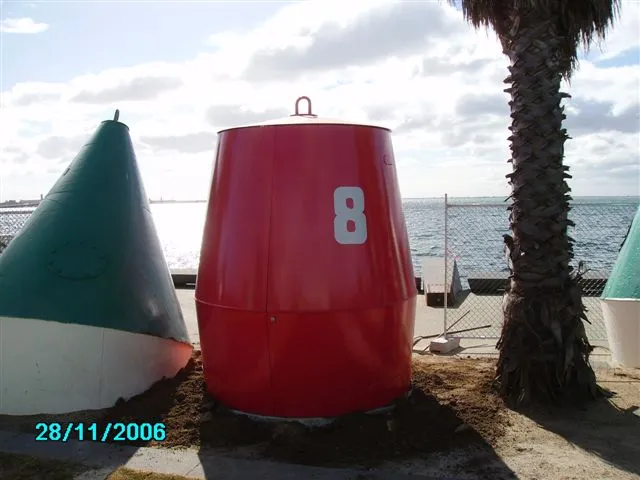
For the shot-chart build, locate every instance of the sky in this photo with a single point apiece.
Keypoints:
(181, 71)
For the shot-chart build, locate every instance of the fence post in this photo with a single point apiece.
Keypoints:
(446, 263)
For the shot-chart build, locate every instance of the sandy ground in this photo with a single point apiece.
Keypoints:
(599, 442)
(455, 426)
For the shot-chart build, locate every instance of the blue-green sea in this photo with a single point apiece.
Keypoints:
(475, 227)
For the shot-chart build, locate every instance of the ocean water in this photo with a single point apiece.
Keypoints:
(475, 227)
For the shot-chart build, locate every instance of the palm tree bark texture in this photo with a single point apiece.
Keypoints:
(543, 348)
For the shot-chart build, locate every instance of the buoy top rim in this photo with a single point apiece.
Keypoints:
(304, 120)
(301, 118)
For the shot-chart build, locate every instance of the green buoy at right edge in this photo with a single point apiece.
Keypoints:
(89, 254)
(624, 280)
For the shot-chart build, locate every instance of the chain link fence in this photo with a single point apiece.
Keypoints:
(474, 239)
(11, 222)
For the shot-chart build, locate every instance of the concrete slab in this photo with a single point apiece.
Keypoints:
(483, 310)
(24, 443)
(444, 344)
(103, 458)
(480, 310)
(92, 454)
(170, 462)
(239, 469)
(186, 298)
(95, 474)
(102, 455)
(6, 437)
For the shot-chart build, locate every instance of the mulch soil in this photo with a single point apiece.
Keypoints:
(452, 404)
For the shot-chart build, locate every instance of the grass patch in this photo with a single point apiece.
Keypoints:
(128, 474)
(24, 467)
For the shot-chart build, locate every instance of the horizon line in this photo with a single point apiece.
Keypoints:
(194, 200)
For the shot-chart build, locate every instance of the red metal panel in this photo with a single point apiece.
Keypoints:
(309, 270)
(326, 364)
(235, 357)
(401, 284)
(305, 226)
(234, 255)
(343, 303)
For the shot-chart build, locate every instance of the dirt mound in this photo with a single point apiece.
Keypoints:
(451, 403)
(465, 386)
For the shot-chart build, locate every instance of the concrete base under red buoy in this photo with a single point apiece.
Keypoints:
(52, 367)
(622, 322)
(312, 422)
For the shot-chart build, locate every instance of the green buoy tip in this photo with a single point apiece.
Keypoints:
(624, 282)
(75, 257)
(116, 119)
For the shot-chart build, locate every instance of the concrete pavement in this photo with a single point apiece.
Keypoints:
(429, 321)
(102, 459)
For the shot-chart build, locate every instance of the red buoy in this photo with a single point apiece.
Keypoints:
(305, 293)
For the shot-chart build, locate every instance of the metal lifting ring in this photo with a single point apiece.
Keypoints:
(308, 114)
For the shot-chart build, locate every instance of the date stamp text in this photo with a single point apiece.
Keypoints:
(94, 432)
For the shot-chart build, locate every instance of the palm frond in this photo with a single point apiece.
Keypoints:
(579, 22)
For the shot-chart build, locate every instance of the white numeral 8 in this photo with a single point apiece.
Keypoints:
(349, 216)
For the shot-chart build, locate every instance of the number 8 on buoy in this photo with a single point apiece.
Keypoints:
(350, 222)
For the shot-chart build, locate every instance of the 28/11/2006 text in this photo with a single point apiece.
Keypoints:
(109, 432)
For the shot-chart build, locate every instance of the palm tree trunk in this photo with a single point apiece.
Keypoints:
(544, 351)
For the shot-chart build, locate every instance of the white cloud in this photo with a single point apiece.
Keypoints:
(336, 43)
(619, 39)
(23, 25)
(414, 67)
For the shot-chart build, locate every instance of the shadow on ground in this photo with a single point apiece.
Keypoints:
(429, 423)
(601, 428)
(451, 416)
(362, 446)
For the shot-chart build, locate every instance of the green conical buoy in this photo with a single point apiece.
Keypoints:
(90, 254)
(624, 281)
